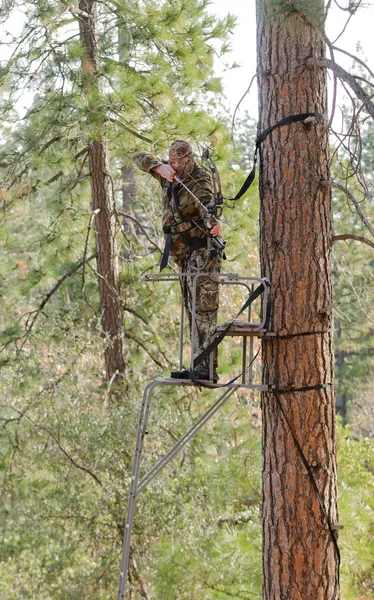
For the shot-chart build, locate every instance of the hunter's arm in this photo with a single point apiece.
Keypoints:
(145, 161)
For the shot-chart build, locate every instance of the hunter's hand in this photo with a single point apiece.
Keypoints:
(216, 229)
(166, 171)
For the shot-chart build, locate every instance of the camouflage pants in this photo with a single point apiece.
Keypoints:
(207, 299)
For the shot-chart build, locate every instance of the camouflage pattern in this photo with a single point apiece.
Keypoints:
(180, 149)
(205, 259)
(207, 299)
(199, 183)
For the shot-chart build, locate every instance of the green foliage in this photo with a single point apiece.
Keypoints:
(352, 276)
(356, 505)
(312, 12)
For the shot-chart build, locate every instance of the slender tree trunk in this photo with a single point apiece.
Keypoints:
(299, 558)
(102, 200)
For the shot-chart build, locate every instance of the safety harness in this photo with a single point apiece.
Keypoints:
(192, 243)
(180, 226)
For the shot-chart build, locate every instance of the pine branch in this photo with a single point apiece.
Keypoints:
(40, 152)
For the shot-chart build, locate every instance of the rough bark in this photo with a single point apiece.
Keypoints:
(102, 199)
(299, 558)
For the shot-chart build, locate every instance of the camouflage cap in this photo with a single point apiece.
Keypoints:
(179, 149)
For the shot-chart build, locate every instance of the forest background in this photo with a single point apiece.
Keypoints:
(67, 424)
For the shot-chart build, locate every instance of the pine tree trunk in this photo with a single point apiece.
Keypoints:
(299, 558)
(103, 200)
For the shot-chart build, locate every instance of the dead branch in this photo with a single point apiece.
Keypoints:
(335, 89)
(92, 217)
(58, 443)
(348, 78)
(33, 315)
(135, 313)
(140, 343)
(130, 130)
(354, 201)
(344, 28)
(351, 236)
(356, 59)
(128, 216)
(239, 103)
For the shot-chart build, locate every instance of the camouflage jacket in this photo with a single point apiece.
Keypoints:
(178, 205)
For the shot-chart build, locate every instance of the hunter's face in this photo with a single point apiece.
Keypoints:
(179, 164)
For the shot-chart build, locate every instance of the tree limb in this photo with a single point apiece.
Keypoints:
(135, 313)
(130, 130)
(60, 446)
(354, 201)
(128, 216)
(137, 341)
(239, 103)
(33, 315)
(92, 217)
(348, 78)
(356, 59)
(351, 236)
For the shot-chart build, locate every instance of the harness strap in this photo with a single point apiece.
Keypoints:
(217, 340)
(191, 243)
(166, 252)
(290, 119)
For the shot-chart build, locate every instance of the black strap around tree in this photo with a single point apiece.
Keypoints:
(291, 119)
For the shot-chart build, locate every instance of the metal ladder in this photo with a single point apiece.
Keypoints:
(251, 331)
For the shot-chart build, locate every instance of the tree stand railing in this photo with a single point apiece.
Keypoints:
(239, 328)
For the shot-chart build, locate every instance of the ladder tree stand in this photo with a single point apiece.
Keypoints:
(238, 328)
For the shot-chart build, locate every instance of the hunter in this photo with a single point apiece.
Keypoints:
(188, 233)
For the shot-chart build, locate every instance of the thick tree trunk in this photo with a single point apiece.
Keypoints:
(299, 557)
(103, 200)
